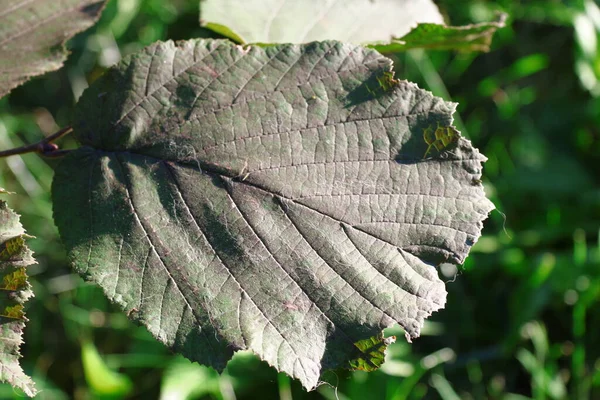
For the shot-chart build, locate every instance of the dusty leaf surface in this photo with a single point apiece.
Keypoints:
(290, 200)
(292, 21)
(15, 289)
(32, 34)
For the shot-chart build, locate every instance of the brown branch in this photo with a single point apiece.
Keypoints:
(45, 147)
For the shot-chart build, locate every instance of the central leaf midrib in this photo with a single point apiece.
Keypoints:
(177, 185)
(211, 168)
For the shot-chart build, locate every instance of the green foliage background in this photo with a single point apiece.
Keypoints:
(521, 319)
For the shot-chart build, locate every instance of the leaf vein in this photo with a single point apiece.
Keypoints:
(15, 7)
(333, 269)
(272, 255)
(153, 248)
(223, 262)
(144, 98)
(42, 22)
(91, 211)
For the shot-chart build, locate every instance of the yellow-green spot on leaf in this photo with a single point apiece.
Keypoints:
(14, 312)
(14, 259)
(381, 83)
(386, 81)
(15, 280)
(11, 247)
(440, 139)
(372, 353)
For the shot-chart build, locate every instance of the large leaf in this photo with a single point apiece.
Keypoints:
(14, 257)
(477, 37)
(32, 34)
(291, 200)
(293, 21)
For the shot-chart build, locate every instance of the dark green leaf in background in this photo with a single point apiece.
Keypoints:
(32, 34)
(477, 37)
(14, 291)
(292, 21)
(291, 200)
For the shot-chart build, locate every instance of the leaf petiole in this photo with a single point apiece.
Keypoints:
(44, 147)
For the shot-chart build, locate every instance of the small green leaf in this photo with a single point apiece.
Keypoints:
(286, 21)
(477, 37)
(224, 31)
(103, 381)
(14, 291)
(33, 33)
(267, 199)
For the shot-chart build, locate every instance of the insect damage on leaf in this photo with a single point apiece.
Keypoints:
(439, 139)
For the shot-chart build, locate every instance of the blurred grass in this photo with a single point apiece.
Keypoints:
(521, 319)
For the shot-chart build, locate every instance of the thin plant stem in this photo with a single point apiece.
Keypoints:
(44, 147)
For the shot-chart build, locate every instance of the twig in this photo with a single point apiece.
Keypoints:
(44, 147)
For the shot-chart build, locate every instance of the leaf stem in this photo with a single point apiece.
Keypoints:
(45, 147)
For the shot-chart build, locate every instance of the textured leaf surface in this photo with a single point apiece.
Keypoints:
(15, 290)
(32, 33)
(293, 21)
(277, 200)
(476, 37)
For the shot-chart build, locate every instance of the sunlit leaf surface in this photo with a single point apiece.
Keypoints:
(292, 21)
